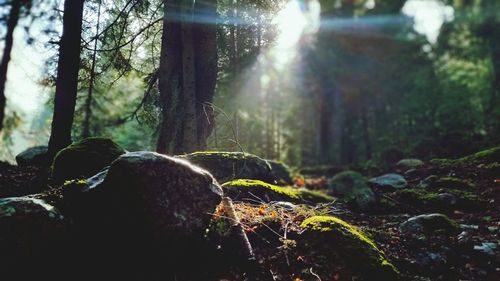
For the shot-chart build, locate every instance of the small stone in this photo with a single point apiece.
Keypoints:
(389, 182)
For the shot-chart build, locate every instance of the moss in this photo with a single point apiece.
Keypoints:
(429, 223)
(227, 166)
(84, 158)
(439, 222)
(333, 234)
(352, 188)
(410, 163)
(417, 197)
(253, 190)
(485, 156)
(452, 182)
(432, 200)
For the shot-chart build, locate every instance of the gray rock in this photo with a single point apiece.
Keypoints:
(488, 248)
(389, 182)
(34, 156)
(406, 164)
(284, 205)
(447, 199)
(33, 234)
(428, 181)
(428, 223)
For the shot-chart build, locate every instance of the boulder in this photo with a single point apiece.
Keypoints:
(429, 223)
(32, 238)
(280, 172)
(84, 158)
(34, 156)
(259, 191)
(410, 163)
(389, 182)
(163, 196)
(337, 241)
(352, 188)
(227, 166)
(145, 215)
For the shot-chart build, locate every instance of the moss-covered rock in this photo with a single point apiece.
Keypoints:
(491, 155)
(428, 224)
(410, 163)
(227, 166)
(352, 187)
(342, 242)
(84, 158)
(451, 182)
(281, 172)
(255, 190)
(440, 200)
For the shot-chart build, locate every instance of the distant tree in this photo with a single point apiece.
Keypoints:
(67, 77)
(12, 20)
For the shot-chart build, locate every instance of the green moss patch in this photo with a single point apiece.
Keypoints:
(491, 155)
(439, 201)
(352, 188)
(256, 190)
(335, 238)
(452, 182)
(429, 223)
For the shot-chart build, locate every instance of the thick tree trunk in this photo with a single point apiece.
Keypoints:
(187, 77)
(4, 64)
(190, 135)
(170, 79)
(206, 68)
(67, 77)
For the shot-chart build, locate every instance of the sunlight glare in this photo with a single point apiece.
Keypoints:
(290, 22)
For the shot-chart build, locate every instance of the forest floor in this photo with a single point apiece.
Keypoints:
(470, 254)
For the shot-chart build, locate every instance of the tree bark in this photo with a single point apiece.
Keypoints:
(67, 77)
(4, 64)
(190, 135)
(88, 101)
(170, 79)
(205, 37)
(187, 76)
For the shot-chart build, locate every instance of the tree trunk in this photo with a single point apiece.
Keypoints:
(187, 76)
(190, 135)
(88, 101)
(67, 77)
(205, 36)
(170, 79)
(4, 64)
